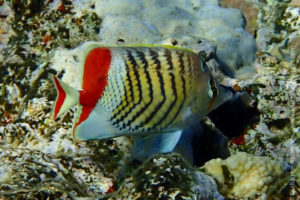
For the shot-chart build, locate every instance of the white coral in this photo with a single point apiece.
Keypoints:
(246, 176)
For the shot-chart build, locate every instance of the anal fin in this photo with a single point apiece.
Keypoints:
(144, 147)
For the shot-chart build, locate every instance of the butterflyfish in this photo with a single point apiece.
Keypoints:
(145, 90)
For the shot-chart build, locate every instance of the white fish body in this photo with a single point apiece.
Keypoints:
(141, 90)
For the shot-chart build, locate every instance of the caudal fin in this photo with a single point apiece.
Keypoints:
(66, 97)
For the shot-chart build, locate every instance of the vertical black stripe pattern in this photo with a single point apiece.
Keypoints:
(141, 55)
(181, 63)
(171, 73)
(169, 59)
(182, 102)
(154, 57)
(136, 77)
(158, 83)
(120, 107)
(136, 74)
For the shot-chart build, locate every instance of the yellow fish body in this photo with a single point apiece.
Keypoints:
(139, 90)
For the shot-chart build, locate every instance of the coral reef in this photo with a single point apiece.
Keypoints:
(247, 176)
(40, 160)
(275, 89)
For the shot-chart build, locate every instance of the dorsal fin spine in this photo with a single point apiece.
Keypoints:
(67, 97)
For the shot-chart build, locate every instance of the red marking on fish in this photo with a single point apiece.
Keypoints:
(239, 140)
(61, 97)
(94, 81)
(110, 189)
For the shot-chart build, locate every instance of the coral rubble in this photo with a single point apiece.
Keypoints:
(167, 176)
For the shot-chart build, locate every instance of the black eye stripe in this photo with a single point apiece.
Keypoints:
(203, 66)
(213, 87)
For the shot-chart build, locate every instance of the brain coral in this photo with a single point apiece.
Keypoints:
(247, 176)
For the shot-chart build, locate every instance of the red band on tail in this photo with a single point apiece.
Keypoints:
(60, 99)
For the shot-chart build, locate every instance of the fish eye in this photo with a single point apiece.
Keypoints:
(203, 66)
(213, 91)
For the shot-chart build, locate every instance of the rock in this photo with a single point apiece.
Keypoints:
(35, 175)
(140, 22)
(167, 176)
(278, 29)
(248, 8)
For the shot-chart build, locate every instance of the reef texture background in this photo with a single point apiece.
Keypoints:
(258, 155)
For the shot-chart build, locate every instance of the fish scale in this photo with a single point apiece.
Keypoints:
(139, 90)
(115, 87)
